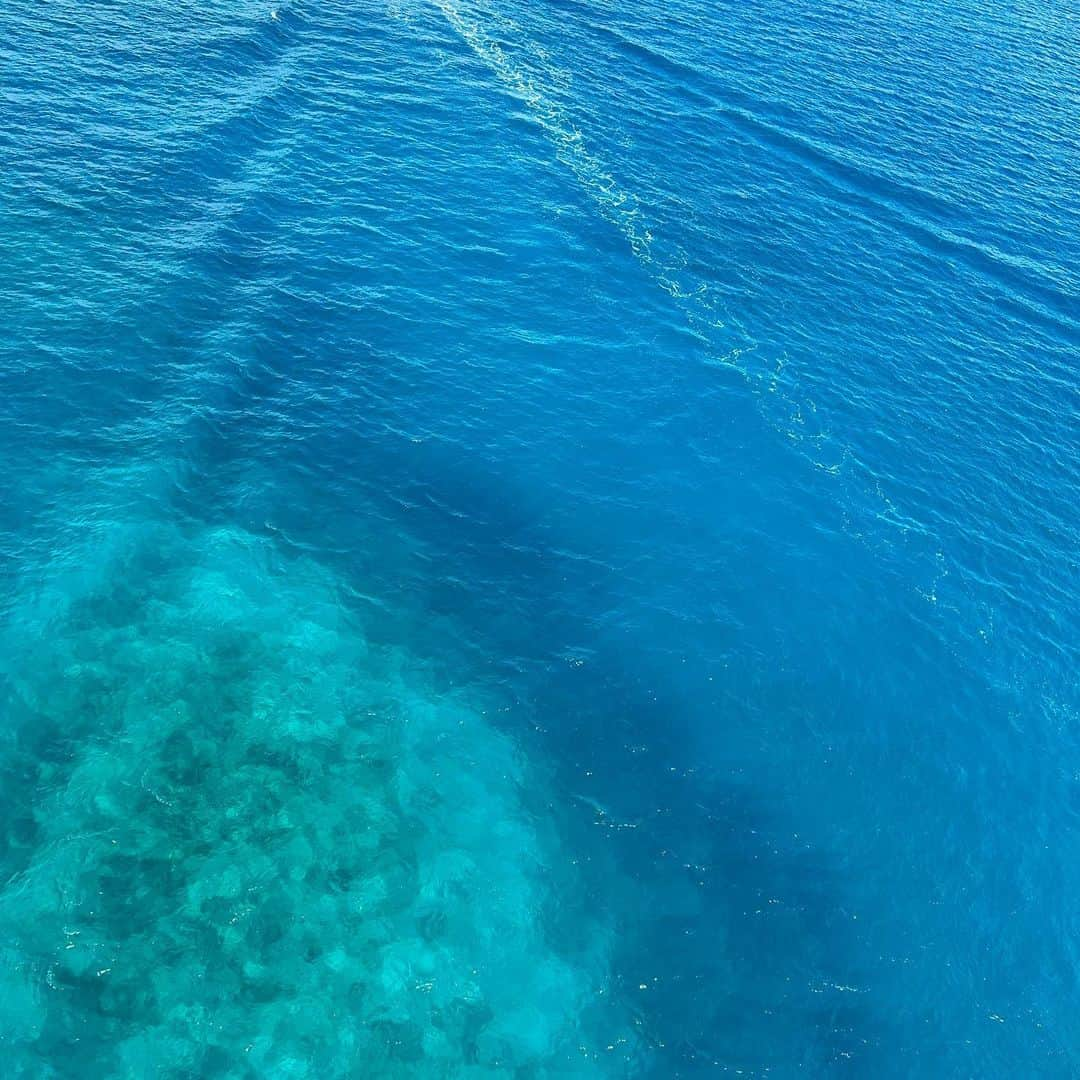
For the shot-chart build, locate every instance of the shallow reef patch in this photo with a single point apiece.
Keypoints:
(242, 838)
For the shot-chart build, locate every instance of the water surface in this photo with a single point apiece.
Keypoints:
(539, 539)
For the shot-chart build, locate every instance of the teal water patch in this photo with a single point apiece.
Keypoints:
(242, 838)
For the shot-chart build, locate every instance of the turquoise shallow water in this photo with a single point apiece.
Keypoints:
(539, 540)
(251, 840)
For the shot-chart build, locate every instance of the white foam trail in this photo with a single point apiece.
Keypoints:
(526, 81)
(526, 71)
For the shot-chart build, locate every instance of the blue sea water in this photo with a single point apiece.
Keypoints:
(539, 539)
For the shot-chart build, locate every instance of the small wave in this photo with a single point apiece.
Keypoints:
(919, 213)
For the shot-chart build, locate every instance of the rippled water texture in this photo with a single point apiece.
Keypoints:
(539, 539)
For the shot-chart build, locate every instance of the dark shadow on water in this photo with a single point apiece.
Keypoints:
(736, 950)
(733, 938)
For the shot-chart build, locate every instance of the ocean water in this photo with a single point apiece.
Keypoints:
(539, 539)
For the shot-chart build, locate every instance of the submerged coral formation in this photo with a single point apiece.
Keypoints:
(242, 839)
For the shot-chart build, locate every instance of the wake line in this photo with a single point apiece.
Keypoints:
(623, 210)
(619, 207)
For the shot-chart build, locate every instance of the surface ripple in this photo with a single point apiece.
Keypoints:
(539, 540)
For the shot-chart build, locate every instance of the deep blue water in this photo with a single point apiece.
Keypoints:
(540, 539)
